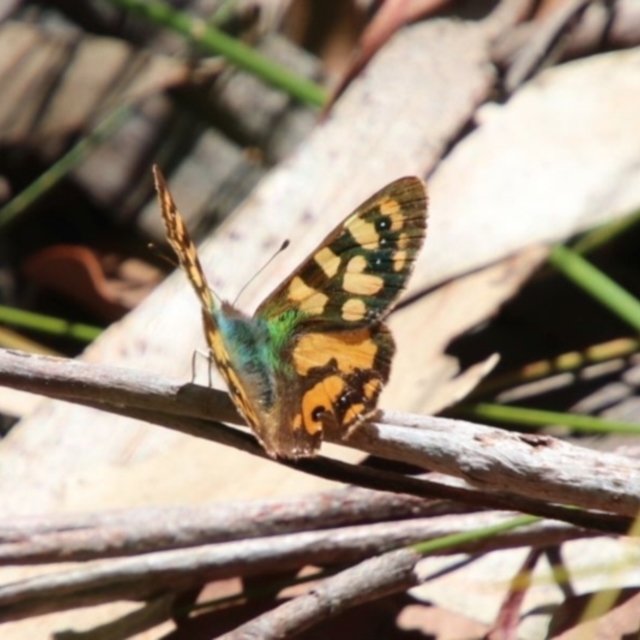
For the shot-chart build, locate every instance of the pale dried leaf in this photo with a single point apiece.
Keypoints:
(53, 86)
(561, 156)
(424, 330)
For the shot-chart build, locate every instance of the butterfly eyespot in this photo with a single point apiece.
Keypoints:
(383, 242)
(347, 400)
(317, 413)
(343, 401)
(383, 224)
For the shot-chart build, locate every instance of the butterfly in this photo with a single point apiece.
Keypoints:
(315, 355)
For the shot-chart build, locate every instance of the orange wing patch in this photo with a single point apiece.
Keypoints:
(347, 350)
(342, 374)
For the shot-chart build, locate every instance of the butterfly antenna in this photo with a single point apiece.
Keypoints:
(283, 246)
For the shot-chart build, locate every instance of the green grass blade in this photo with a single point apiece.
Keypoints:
(540, 418)
(605, 233)
(66, 163)
(597, 284)
(48, 324)
(215, 41)
(455, 539)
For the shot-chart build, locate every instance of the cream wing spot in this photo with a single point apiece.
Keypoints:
(364, 233)
(357, 264)
(391, 208)
(399, 260)
(362, 284)
(328, 261)
(403, 241)
(354, 310)
(309, 300)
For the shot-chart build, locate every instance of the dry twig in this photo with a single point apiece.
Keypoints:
(370, 580)
(514, 471)
(79, 537)
(150, 574)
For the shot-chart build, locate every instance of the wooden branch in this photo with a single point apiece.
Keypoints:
(370, 580)
(536, 466)
(80, 537)
(524, 472)
(150, 574)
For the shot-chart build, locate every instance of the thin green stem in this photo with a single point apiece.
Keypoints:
(217, 42)
(597, 284)
(66, 163)
(605, 233)
(457, 539)
(540, 418)
(48, 324)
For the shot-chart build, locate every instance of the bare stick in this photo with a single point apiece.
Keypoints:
(538, 469)
(370, 580)
(148, 575)
(79, 537)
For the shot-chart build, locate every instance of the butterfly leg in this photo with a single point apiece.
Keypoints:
(211, 362)
(208, 357)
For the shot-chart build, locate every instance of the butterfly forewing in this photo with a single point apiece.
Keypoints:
(187, 254)
(181, 242)
(357, 273)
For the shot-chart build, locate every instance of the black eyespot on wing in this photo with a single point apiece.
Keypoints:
(317, 413)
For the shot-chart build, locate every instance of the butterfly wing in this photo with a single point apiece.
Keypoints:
(334, 350)
(187, 254)
(359, 270)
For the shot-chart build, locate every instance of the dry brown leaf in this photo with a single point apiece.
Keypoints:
(104, 285)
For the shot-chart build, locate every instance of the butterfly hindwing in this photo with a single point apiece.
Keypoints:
(339, 377)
